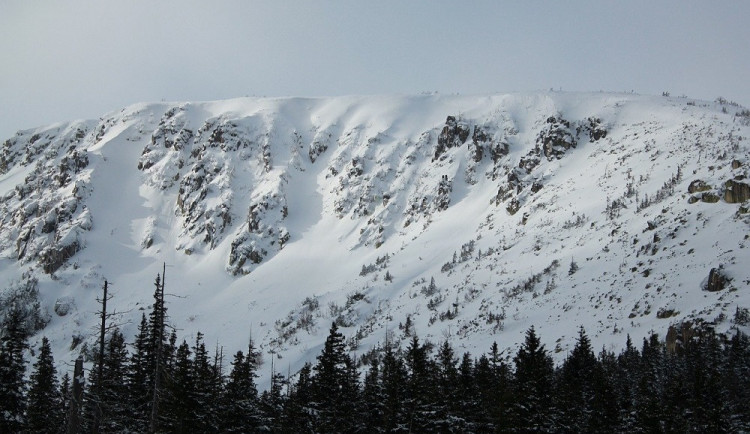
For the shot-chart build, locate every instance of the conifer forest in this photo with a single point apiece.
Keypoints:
(698, 381)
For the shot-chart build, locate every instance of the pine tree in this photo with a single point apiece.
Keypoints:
(12, 369)
(467, 403)
(157, 361)
(394, 380)
(298, 411)
(737, 381)
(334, 384)
(498, 404)
(106, 398)
(114, 391)
(575, 386)
(627, 378)
(649, 408)
(532, 409)
(705, 364)
(373, 399)
(177, 413)
(272, 403)
(605, 407)
(64, 400)
(139, 379)
(446, 382)
(44, 413)
(420, 393)
(206, 388)
(240, 400)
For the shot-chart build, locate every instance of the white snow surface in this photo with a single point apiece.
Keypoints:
(320, 189)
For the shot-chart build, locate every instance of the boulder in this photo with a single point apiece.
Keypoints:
(736, 192)
(709, 197)
(63, 305)
(717, 281)
(698, 186)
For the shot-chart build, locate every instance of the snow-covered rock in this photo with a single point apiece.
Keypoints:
(472, 216)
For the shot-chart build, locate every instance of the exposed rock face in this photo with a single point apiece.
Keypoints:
(454, 133)
(44, 218)
(596, 130)
(55, 256)
(736, 192)
(556, 138)
(709, 197)
(717, 281)
(698, 186)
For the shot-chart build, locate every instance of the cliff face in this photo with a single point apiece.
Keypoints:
(474, 217)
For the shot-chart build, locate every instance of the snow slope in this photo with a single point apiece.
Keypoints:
(474, 217)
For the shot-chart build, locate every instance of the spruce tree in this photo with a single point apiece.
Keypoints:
(272, 403)
(44, 413)
(332, 383)
(139, 379)
(466, 405)
(297, 410)
(207, 383)
(157, 342)
(64, 399)
(373, 399)
(737, 381)
(13, 337)
(533, 409)
(649, 408)
(500, 403)
(114, 390)
(394, 382)
(605, 407)
(627, 378)
(575, 386)
(178, 409)
(447, 382)
(420, 392)
(106, 397)
(240, 400)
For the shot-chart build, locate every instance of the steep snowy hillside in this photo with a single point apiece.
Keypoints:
(466, 219)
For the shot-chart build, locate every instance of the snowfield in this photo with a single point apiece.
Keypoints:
(464, 218)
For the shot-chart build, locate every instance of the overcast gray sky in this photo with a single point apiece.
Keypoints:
(65, 60)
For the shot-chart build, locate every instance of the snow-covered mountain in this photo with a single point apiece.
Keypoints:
(466, 219)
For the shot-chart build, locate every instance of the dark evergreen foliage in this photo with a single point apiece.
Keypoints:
(106, 406)
(699, 384)
(13, 337)
(139, 375)
(45, 411)
(335, 385)
(393, 381)
(240, 412)
(532, 387)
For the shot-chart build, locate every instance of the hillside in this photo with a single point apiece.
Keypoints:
(461, 218)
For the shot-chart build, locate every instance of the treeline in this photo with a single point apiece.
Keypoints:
(700, 383)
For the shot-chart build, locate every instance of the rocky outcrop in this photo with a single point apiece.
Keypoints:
(736, 192)
(709, 197)
(264, 234)
(454, 134)
(556, 138)
(717, 281)
(698, 186)
(593, 127)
